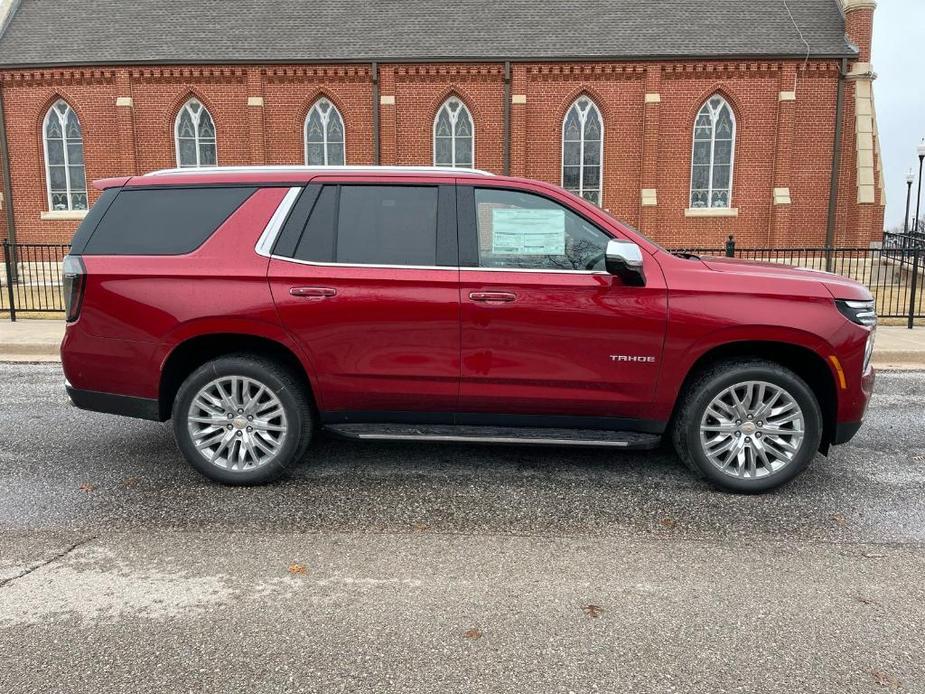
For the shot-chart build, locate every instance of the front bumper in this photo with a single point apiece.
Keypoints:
(845, 431)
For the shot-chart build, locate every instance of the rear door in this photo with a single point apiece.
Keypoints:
(366, 275)
(545, 329)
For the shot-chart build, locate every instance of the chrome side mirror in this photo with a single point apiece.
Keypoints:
(624, 259)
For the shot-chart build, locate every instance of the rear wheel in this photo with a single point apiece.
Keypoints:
(748, 426)
(241, 419)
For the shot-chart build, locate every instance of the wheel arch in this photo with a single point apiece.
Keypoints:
(188, 355)
(807, 363)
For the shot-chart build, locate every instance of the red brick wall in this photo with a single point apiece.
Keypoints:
(782, 144)
(618, 90)
(27, 98)
(420, 91)
(290, 91)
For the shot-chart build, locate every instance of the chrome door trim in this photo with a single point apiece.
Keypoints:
(317, 263)
(275, 225)
(454, 268)
(536, 270)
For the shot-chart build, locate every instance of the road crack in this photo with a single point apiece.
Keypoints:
(60, 555)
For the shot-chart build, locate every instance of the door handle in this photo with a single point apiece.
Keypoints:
(313, 292)
(493, 297)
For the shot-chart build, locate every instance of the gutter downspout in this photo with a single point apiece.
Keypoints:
(5, 172)
(374, 74)
(836, 162)
(506, 134)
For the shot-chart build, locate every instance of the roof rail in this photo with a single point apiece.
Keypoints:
(317, 169)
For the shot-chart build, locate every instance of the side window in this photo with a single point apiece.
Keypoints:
(163, 221)
(387, 225)
(317, 241)
(524, 231)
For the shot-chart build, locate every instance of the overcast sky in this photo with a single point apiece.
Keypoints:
(898, 56)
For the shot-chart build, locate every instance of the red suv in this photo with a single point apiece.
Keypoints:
(254, 306)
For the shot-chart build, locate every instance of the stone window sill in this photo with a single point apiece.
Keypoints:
(64, 215)
(711, 212)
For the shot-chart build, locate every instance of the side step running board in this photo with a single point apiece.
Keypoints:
(498, 435)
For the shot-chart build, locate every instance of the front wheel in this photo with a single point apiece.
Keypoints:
(242, 419)
(748, 426)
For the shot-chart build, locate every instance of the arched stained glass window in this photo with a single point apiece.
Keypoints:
(65, 177)
(195, 136)
(583, 150)
(324, 135)
(713, 154)
(454, 135)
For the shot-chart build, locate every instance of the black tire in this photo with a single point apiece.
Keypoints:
(710, 383)
(285, 385)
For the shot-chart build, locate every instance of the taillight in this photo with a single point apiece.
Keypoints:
(75, 279)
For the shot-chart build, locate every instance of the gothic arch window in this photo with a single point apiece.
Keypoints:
(324, 135)
(194, 132)
(454, 135)
(65, 177)
(583, 150)
(713, 154)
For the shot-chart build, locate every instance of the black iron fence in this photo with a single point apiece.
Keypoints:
(30, 280)
(894, 273)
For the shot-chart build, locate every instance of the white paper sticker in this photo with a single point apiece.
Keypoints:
(527, 232)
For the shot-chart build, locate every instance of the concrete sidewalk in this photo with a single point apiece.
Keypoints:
(39, 340)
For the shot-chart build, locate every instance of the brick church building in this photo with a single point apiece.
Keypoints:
(691, 119)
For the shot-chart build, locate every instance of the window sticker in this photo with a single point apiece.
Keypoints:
(527, 232)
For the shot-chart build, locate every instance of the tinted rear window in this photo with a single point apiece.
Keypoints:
(387, 225)
(163, 221)
(85, 230)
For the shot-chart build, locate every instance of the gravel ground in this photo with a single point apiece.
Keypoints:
(447, 568)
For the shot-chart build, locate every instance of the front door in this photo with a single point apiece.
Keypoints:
(545, 329)
(372, 292)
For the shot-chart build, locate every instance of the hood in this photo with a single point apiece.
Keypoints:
(839, 287)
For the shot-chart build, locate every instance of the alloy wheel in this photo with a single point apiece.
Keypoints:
(752, 429)
(237, 423)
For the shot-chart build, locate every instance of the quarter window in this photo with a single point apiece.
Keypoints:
(194, 132)
(526, 231)
(324, 135)
(65, 177)
(583, 150)
(454, 135)
(713, 154)
(163, 221)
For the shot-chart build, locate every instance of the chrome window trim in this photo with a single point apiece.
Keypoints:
(536, 270)
(437, 267)
(317, 263)
(275, 225)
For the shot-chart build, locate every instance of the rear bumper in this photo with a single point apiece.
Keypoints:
(110, 403)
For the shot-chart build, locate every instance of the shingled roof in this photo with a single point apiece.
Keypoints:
(100, 32)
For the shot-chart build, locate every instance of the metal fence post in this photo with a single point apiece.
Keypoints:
(8, 264)
(913, 283)
(731, 247)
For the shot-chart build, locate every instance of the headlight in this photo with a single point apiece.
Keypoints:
(860, 312)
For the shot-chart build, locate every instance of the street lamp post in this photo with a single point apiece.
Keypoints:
(915, 243)
(918, 195)
(910, 176)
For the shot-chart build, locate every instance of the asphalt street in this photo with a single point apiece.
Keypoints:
(428, 568)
